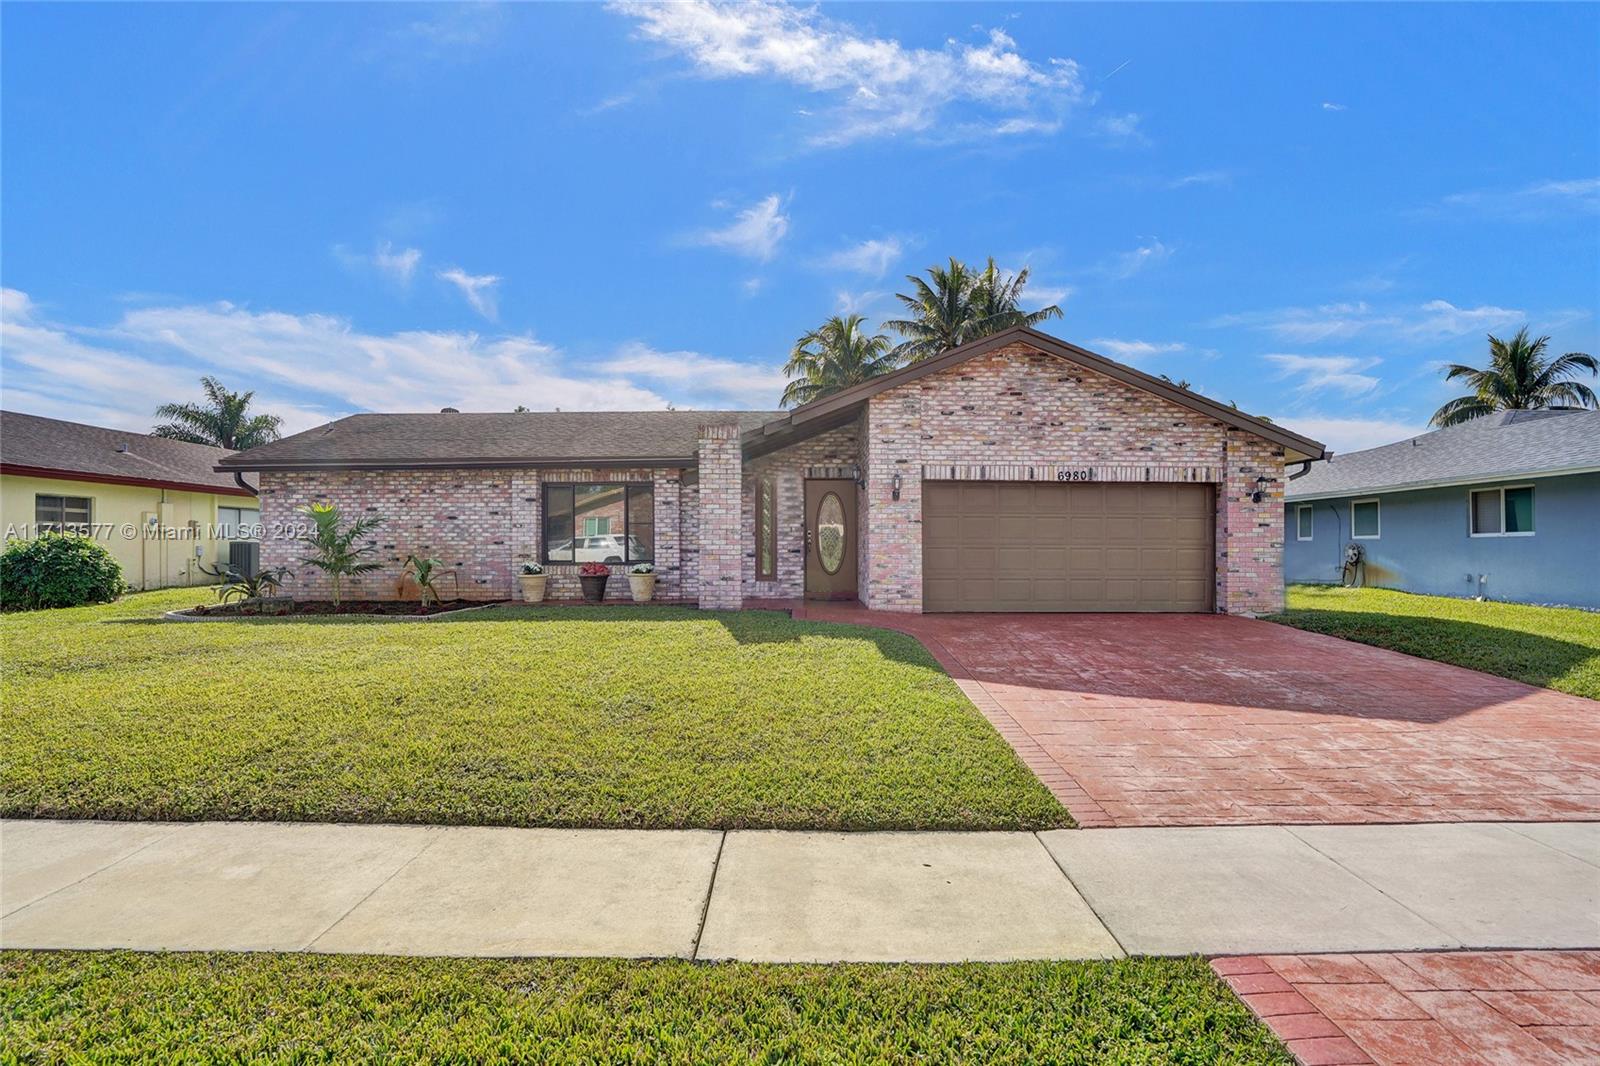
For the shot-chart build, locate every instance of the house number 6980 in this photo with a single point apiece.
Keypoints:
(1074, 475)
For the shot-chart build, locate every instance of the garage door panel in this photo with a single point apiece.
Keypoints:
(1046, 546)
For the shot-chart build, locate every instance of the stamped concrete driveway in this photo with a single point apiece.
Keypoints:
(1214, 720)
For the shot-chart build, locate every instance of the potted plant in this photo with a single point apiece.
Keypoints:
(642, 580)
(593, 577)
(532, 581)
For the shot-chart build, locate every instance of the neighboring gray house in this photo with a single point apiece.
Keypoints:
(1506, 507)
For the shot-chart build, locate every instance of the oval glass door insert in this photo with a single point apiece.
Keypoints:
(830, 533)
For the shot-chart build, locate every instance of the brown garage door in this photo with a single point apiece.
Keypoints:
(1102, 546)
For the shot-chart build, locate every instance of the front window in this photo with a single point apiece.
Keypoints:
(1365, 520)
(1504, 512)
(63, 514)
(1303, 522)
(238, 523)
(608, 522)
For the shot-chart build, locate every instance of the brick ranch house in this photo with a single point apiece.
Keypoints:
(1015, 473)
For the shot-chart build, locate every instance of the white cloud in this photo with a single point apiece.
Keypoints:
(1127, 264)
(1541, 199)
(1122, 129)
(479, 289)
(1036, 296)
(1344, 434)
(700, 380)
(878, 86)
(870, 257)
(1134, 351)
(1434, 320)
(1319, 373)
(754, 233)
(1202, 177)
(399, 265)
(750, 286)
(1327, 106)
(311, 368)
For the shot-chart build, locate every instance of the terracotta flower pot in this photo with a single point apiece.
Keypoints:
(594, 588)
(643, 587)
(532, 587)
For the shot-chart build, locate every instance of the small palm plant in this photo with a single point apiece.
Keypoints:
(242, 586)
(333, 544)
(425, 572)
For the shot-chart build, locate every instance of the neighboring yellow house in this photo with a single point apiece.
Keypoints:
(157, 504)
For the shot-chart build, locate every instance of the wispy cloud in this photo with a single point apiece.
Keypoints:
(1202, 177)
(1541, 199)
(1320, 373)
(1127, 264)
(1135, 351)
(1121, 129)
(479, 290)
(398, 266)
(698, 379)
(1329, 106)
(313, 367)
(877, 87)
(1434, 320)
(870, 257)
(755, 232)
(1344, 434)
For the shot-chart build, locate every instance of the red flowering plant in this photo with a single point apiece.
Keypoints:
(594, 570)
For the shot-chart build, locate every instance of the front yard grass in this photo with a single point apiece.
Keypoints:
(78, 1006)
(640, 717)
(1556, 647)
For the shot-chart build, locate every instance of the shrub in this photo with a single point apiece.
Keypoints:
(57, 570)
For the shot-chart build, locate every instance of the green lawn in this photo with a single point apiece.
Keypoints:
(168, 1008)
(649, 717)
(1556, 647)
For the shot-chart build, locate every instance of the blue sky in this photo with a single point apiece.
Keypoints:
(361, 207)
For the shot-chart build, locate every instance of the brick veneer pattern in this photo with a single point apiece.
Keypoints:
(720, 492)
(1021, 406)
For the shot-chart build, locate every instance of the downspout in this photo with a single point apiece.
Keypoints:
(238, 479)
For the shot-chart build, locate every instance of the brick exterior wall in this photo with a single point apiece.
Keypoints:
(1017, 408)
(483, 524)
(830, 454)
(721, 547)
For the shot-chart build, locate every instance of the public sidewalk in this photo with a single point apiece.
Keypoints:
(792, 896)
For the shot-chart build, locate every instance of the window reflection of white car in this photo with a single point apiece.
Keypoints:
(602, 549)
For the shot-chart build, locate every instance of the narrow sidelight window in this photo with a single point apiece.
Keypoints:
(766, 530)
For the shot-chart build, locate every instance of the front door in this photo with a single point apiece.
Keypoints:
(830, 540)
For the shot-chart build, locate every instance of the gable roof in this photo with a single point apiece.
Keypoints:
(523, 438)
(35, 446)
(1506, 444)
(840, 406)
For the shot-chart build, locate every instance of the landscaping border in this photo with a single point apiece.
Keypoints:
(185, 615)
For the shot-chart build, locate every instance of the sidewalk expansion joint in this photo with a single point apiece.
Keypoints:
(705, 906)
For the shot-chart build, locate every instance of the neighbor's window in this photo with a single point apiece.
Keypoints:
(612, 522)
(766, 530)
(1303, 522)
(1502, 512)
(1364, 520)
(238, 523)
(62, 513)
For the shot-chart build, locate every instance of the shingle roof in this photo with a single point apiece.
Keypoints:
(1498, 446)
(375, 441)
(35, 443)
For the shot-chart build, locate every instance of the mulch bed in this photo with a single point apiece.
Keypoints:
(325, 607)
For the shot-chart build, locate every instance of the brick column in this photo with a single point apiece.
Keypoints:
(1250, 534)
(721, 549)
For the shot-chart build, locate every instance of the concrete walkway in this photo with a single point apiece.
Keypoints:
(770, 896)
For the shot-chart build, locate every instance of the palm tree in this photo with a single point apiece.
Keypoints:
(1519, 377)
(224, 422)
(835, 355)
(958, 304)
(333, 544)
(997, 302)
